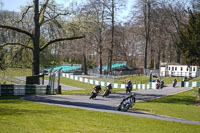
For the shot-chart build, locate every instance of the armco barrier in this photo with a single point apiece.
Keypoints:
(20, 90)
(151, 85)
(192, 84)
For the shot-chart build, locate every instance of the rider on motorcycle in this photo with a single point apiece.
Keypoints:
(129, 87)
(97, 88)
(95, 92)
(109, 87)
(108, 90)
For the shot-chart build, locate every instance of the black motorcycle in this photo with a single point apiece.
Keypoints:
(128, 88)
(127, 103)
(107, 92)
(157, 85)
(161, 84)
(94, 94)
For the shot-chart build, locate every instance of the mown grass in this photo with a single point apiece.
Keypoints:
(169, 80)
(182, 105)
(18, 116)
(3, 81)
(136, 79)
(195, 79)
(86, 86)
(12, 72)
(143, 79)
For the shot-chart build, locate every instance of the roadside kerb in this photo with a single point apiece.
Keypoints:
(192, 84)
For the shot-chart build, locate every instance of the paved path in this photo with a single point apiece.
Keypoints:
(110, 104)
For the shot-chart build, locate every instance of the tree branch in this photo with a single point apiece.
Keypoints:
(58, 40)
(43, 11)
(5, 44)
(25, 13)
(17, 30)
(54, 17)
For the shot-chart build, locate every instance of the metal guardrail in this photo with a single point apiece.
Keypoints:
(17, 81)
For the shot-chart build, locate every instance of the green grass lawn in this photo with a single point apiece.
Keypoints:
(169, 80)
(86, 86)
(182, 105)
(18, 116)
(12, 72)
(136, 79)
(142, 79)
(195, 79)
(3, 81)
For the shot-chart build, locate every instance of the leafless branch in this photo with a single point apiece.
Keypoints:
(23, 15)
(58, 40)
(17, 30)
(25, 46)
(42, 12)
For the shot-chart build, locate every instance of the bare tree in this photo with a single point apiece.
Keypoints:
(41, 17)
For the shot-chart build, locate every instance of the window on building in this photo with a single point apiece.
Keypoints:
(193, 68)
(187, 68)
(172, 68)
(190, 68)
(175, 68)
(181, 68)
(169, 68)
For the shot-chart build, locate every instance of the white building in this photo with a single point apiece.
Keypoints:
(178, 70)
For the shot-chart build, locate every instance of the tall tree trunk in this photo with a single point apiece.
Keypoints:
(85, 64)
(146, 11)
(100, 62)
(112, 39)
(170, 52)
(152, 58)
(178, 55)
(158, 59)
(36, 40)
(163, 55)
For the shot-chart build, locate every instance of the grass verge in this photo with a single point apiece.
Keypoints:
(195, 79)
(86, 86)
(182, 105)
(12, 72)
(143, 79)
(18, 116)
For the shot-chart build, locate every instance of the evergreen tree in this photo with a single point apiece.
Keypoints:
(190, 39)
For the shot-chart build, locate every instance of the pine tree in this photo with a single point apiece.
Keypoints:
(190, 39)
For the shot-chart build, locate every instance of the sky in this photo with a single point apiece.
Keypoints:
(14, 5)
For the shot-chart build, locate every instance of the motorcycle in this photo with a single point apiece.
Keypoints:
(127, 103)
(106, 92)
(174, 84)
(94, 94)
(157, 85)
(161, 84)
(128, 89)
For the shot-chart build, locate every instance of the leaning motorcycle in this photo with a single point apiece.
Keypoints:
(128, 88)
(94, 94)
(127, 103)
(106, 92)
